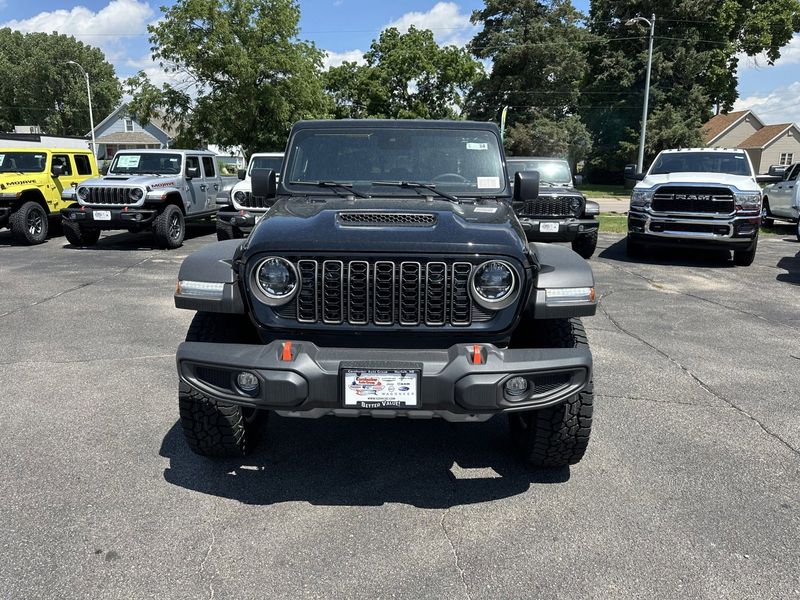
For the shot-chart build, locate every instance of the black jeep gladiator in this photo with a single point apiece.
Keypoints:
(390, 278)
(560, 213)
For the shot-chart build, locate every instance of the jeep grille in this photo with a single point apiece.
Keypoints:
(553, 206)
(384, 292)
(708, 200)
(110, 195)
(251, 201)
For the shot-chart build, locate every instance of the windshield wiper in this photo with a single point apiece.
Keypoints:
(417, 186)
(335, 186)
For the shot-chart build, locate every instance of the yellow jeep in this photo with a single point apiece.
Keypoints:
(32, 181)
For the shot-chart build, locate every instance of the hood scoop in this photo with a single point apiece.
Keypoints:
(115, 178)
(385, 219)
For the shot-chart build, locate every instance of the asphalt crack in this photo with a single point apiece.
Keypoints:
(75, 288)
(210, 549)
(703, 385)
(454, 551)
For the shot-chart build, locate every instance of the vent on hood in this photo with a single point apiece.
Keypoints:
(386, 219)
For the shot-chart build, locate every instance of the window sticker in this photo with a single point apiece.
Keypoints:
(477, 146)
(488, 183)
(127, 161)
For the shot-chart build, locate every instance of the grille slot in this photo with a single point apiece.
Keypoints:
(358, 292)
(307, 297)
(553, 206)
(545, 384)
(706, 200)
(384, 293)
(410, 292)
(461, 309)
(378, 219)
(251, 201)
(436, 293)
(332, 291)
(219, 378)
(109, 195)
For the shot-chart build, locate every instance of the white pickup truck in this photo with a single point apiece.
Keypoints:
(700, 198)
(782, 199)
(241, 210)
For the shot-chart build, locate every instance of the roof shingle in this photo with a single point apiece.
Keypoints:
(719, 123)
(128, 137)
(764, 136)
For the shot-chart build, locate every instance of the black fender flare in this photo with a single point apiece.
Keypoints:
(211, 264)
(560, 267)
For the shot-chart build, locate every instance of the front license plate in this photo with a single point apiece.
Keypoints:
(381, 388)
(548, 227)
(101, 215)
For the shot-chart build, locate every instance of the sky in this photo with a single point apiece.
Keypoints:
(345, 28)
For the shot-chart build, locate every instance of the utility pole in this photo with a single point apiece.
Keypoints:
(652, 24)
(89, 94)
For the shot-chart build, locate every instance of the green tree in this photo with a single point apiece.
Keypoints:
(38, 87)
(694, 67)
(538, 54)
(244, 76)
(405, 76)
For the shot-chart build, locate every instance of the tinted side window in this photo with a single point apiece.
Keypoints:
(192, 162)
(63, 160)
(208, 166)
(82, 164)
(793, 173)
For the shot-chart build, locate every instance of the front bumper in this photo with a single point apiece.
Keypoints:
(735, 232)
(310, 383)
(568, 228)
(121, 218)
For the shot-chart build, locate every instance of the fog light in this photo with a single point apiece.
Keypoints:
(247, 382)
(516, 386)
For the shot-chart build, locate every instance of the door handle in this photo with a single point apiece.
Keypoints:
(203, 187)
(216, 187)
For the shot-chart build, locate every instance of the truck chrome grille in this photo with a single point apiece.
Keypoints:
(553, 206)
(109, 195)
(705, 200)
(384, 292)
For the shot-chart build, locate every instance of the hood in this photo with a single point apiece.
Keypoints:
(326, 224)
(560, 189)
(740, 182)
(14, 179)
(134, 180)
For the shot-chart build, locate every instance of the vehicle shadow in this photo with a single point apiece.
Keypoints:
(679, 257)
(363, 462)
(144, 240)
(792, 266)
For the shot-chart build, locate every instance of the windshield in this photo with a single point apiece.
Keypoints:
(146, 163)
(460, 162)
(553, 171)
(266, 162)
(731, 163)
(22, 162)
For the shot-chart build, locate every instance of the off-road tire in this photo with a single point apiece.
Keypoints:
(29, 224)
(585, 244)
(169, 227)
(215, 427)
(226, 231)
(556, 436)
(766, 215)
(745, 258)
(79, 236)
(634, 248)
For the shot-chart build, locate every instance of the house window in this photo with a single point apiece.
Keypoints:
(128, 125)
(787, 158)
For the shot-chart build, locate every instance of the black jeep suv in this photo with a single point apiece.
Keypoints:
(390, 278)
(560, 213)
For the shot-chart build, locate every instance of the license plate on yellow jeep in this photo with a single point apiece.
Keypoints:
(101, 215)
(381, 388)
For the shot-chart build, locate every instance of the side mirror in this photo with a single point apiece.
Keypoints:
(56, 170)
(192, 172)
(639, 176)
(578, 180)
(526, 186)
(241, 174)
(104, 169)
(263, 183)
(769, 178)
(777, 171)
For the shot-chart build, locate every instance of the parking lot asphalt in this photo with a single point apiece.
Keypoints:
(690, 487)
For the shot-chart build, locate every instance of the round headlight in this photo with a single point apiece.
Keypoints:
(136, 194)
(575, 204)
(494, 284)
(276, 279)
(239, 196)
(83, 193)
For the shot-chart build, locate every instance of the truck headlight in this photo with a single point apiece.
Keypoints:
(240, 196)
(641, 199)
(748, 201)
(494, 284)
(574, 204)
(83, 193)
(136, 194)
(276, 279)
